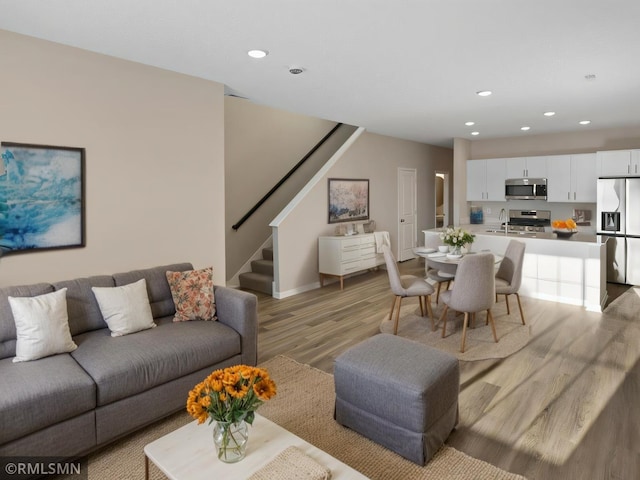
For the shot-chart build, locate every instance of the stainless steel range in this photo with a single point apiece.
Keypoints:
(528, 221)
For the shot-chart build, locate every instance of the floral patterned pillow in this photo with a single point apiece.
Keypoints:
(192, 293)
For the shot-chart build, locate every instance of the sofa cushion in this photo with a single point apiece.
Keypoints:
(128, 365)
(7, 324)
(42, 326)
(41, 393)
(157, 286)
(125, 309)
(83, 310)
(192, 293)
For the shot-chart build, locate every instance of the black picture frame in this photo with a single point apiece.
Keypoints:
(42, 197)
(348, 200)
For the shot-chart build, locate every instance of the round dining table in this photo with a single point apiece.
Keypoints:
(445, 263)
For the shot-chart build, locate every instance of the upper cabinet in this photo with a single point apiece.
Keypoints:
(572, 178)
(485, 180)
(526, 167)
(618, 163)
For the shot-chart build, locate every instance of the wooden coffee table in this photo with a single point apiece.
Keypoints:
(189, 454)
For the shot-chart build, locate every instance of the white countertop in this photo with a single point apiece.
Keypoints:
(491, 230)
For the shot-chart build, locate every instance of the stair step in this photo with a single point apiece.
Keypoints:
(262, 266)
(267, 253)
(257, 281)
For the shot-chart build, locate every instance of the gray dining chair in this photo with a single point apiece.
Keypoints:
(509, 275)
(473, 291)
(440, 278)
(406, 286)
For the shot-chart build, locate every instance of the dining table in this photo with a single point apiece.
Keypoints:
(447, 264)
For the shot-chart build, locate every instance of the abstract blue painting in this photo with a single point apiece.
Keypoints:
(41, 197)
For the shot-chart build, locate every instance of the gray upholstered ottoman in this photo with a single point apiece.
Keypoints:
(398, 393)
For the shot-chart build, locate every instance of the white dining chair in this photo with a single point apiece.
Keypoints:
(406, 286)
(440, 278)
(509, 275)
(473, 291)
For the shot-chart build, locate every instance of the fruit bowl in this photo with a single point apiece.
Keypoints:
(564, 232)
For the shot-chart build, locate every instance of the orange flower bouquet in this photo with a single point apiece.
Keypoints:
(230, 398)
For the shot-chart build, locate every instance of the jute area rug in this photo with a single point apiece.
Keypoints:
(303, 405)
(480, 345)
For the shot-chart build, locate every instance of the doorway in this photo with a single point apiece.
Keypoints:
(407, 213)
(441, 189)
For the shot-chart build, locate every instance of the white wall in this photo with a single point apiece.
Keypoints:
(377, 158)
(154, 145)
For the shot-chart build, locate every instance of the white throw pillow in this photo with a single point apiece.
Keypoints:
(126, 309)
(42, 325)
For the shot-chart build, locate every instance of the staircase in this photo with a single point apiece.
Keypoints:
(260, 278)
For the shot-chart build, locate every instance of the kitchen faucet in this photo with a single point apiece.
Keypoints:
(504, 219)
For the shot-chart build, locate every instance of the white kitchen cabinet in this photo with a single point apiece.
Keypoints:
(485, 179)
(572, 178)
(618, 163)
(634, 167)
(340, 256)
(584, 177)
(526, 167)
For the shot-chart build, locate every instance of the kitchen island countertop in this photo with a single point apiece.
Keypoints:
(494, 230)
(568, 270)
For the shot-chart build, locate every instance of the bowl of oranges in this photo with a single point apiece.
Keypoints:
(564, 228)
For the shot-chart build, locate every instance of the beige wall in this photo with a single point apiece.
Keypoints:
(461, 149)
(584, 141)
(377, 158)
(261, 145)
(154, 145)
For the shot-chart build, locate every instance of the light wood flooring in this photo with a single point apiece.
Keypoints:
(567, 406)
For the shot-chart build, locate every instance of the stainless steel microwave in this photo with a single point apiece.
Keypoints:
(525, 189)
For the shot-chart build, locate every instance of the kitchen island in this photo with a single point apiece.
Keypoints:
(566, 270)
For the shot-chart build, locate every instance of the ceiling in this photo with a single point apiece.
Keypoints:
(409, 69)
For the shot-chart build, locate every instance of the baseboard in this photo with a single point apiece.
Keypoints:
(295, 291)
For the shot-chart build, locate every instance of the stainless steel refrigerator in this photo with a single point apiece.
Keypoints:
(618, 219)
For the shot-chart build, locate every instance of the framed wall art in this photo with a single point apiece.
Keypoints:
(41, 197)
(348, 200)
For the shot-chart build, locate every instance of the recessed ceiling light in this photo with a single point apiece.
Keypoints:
(257, 53)
(484, 93)
(549, 114)
(585, 122)
(468, 124)
(525, 128)
(475, 133)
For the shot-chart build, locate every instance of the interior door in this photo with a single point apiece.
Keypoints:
(407, 213)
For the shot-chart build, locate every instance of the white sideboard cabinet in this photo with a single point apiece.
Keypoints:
(340, 256)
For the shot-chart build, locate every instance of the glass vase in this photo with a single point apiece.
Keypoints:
(230, 440)
(455, 250)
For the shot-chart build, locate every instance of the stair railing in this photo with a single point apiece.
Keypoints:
(285, 178)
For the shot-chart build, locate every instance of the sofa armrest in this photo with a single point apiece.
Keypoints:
(239, 310)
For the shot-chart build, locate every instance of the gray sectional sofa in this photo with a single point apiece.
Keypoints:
(72, 403)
